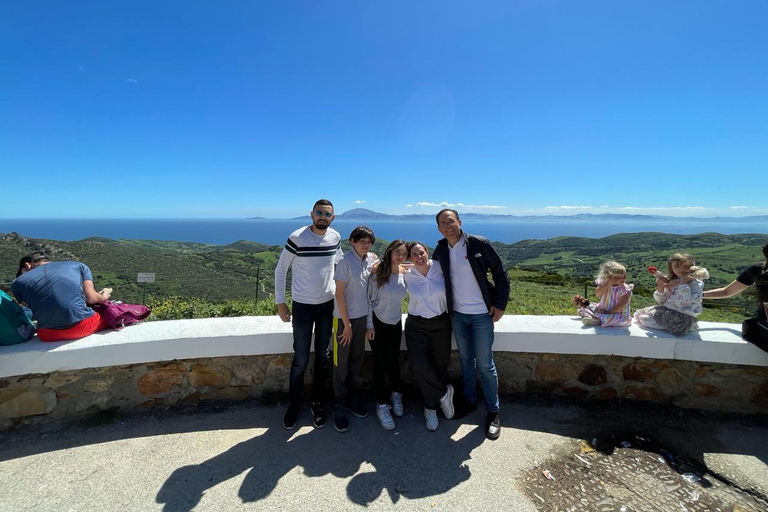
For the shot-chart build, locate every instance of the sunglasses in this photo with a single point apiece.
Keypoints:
(327, 215)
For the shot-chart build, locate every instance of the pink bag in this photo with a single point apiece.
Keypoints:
(120, 314)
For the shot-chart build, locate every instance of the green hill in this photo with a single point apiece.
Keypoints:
(545, 273)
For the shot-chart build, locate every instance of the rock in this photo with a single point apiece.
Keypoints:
(638, 371)
(31, 402)
(643, 393)
(213, 376)
(706, 389)
(248, 374)
(98, 384)
(161, 380)
(669, 381)
(57, 380)
(559, 372)
(574, 391)
(7, 394)
(278, 374)
(593, 375)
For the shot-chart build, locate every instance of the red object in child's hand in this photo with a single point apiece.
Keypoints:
(653, 270)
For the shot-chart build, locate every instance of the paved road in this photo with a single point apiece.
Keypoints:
(239, 457)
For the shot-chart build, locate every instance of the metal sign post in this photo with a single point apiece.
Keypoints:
(145, 277)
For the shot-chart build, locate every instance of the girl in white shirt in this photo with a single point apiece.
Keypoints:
(428, 333)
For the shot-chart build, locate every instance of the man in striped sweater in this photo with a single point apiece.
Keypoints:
(312, 252)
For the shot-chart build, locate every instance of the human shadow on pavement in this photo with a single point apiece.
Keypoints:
(414, 463)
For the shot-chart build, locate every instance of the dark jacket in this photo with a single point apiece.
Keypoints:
(482, 258)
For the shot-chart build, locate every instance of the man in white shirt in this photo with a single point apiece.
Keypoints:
(474, 305)
(311, 251)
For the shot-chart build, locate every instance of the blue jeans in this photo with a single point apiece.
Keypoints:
(474, 338)
(305, 316)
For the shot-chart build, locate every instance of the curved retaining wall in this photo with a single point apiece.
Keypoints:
(186, 361)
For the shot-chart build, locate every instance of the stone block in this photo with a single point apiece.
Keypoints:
(31, 402)
(574, 391)
(669, 381)
(558, 372)
(11, 393)
(57, 380)
(160, 380)
(248, 374)
(593, 375)
(706, 389)
(638, 371)
(210, 376)
(512, 369)
(508, 386)
(645, 393)
(278, 374)
(97, 384)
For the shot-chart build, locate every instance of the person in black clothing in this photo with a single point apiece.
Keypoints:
(754, 330)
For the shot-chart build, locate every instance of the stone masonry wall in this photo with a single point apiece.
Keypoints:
(47, 397)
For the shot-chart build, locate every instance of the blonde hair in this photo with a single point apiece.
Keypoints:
(698, 272)
(608, 270)
(679, 257)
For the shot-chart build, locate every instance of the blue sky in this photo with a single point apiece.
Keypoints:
(257, 108)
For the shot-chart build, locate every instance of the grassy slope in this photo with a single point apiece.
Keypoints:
(545, 273)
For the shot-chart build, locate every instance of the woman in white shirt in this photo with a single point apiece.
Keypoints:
(428, 333)
(386, 291)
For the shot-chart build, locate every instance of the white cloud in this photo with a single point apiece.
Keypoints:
(409, 206)
(360, 201)
(446, 204)
(663, 208)
(740, 207)
(132, 80)
(565, 207)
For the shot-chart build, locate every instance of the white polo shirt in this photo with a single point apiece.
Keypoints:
(467, 297)
(427, 293)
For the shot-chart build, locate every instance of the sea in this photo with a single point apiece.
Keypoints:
(276, 231)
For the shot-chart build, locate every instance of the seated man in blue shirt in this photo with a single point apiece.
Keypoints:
(59, 294)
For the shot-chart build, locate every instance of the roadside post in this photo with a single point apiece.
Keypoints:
(145, 277)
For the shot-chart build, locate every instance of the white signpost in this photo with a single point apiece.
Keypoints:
(145, 277)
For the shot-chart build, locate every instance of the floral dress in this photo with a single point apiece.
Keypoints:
(608, 302)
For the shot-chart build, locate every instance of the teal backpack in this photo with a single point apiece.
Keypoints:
(15, 325)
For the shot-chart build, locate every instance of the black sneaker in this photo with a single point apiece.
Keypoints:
(291, 415)
(340, 420)
(318, 414)
(492, 426)
(357, 409)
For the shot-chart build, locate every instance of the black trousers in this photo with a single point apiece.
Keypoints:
(429, 348)
(385, 349)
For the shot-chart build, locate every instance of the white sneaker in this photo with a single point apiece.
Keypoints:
(397, 403)
(431, 416)
(446, 403)
(382, 412)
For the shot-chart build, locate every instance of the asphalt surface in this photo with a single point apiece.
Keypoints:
(233, 457)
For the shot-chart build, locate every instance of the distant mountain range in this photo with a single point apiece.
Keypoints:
(365, 214)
